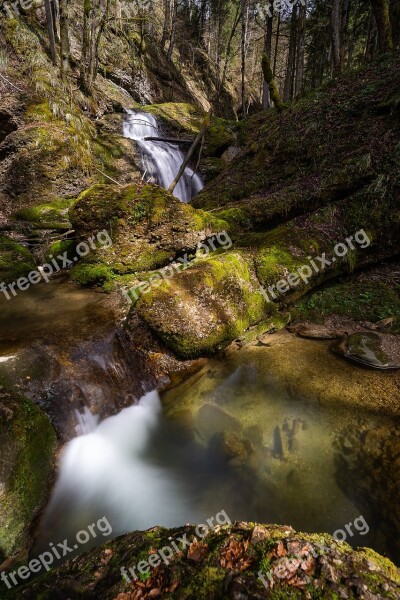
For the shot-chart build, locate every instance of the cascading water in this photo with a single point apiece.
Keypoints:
(106, 471)
(161, 160)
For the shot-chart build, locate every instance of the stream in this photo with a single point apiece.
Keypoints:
(232, 437)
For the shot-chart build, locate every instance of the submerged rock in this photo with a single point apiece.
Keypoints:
(369, 349)
(232, 561)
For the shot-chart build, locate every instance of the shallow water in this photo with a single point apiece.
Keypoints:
(149, 466)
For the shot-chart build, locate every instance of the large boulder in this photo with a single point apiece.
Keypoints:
(148, 227)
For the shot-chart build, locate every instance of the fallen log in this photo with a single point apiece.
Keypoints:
(205, 125)
(167, 140)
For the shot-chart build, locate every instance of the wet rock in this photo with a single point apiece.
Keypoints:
(313, 331)
(211, 420)
(369, 349)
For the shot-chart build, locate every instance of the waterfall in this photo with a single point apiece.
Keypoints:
(161, 161)
(106, 471)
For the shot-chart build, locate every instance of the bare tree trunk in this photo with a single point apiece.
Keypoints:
(229, 45)
(278, 31)
(104, 18)
(382, 18)
(266, 99)
(64, 38)
(50, 30)
(344, 31)
(167, 20)
(301, 43)
(335, 21)
(87, 17)
(352, 37)
(395, 22)
(372, 37)
(243, 5)
(290, 72)
(173, 30)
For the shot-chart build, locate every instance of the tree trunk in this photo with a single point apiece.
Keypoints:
(382, 18)
(64, 38)
(87, 17)
(372, 36)
(167, 20)
(278, 31)
(290, 71)
(173, 29)
(269, 79)
(395, 22)
(352, 37)
(335, 21)
(301, 42)
(243, 6)
(50, 30)
(266, 99)
(344, 31)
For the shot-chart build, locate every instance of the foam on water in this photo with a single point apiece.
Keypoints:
(105, 472)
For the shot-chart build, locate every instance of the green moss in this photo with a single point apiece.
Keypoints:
(204, 584)
(178, 115)
(52, 215)
(58, 248)
(219, 137)
(28, 441)
(234, 305)
(91, 274)
(360, 300)
(15, 260)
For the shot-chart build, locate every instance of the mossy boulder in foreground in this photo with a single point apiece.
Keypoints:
(242, 561)
(27, 443)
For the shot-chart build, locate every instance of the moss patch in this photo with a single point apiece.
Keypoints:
(27, 443)
(204, 307)
(15, 260)
(52, 215)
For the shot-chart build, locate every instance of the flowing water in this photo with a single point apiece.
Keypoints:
(161, 161)
(230, 438)
(233, 437)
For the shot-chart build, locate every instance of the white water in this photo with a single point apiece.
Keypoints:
(105, 472)
(161, 161)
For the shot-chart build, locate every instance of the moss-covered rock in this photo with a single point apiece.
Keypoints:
(204, 307)
(148, 227)
(185, 118)
(219, 137)
(52, 215)
(15, 260)
(237, 561)
(27, 444)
